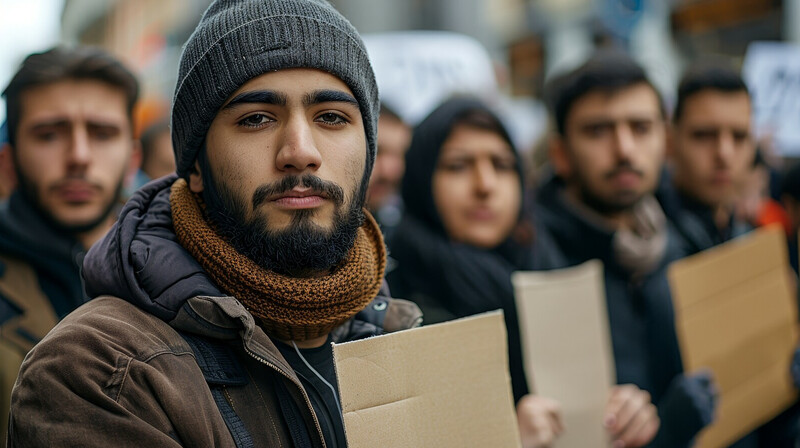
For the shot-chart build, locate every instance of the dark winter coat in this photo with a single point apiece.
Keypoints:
(640, 312)
(697, 231)
(695, 224)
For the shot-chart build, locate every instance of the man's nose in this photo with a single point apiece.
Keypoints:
(298, 151)
(624, 143)
(79, 152)
(725, 148)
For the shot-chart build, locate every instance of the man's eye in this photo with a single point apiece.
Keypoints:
(641, 128)
(332, 118)
(704, 135)
(46, 136)
(598, 130)
(254, 121)
(105, 133)
(454, 167)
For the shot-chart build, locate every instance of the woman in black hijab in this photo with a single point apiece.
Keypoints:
(464, 230)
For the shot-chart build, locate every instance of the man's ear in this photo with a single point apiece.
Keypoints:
(196, 178)
(134, 163)
(8, 175)
(557, 150)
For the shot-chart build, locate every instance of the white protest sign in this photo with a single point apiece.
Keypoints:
(772, 73)
(417, 70)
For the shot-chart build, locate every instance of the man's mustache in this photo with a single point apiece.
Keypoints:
(72, 180)
(624, 167)
(321, 187)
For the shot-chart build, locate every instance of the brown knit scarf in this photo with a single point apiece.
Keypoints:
(287, 308)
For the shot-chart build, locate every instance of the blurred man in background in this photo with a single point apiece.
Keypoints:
(607, 157)
(383, 199)
(711, 152)
(71, 148)
(158, 160)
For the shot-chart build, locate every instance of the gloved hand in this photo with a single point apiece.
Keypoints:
(795, 368)
(687, 407)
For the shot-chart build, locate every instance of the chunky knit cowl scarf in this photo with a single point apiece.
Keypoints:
(290, 309)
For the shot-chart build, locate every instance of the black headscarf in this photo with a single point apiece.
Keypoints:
(449, 279)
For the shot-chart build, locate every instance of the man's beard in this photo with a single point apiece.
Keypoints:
(302, 249)
(30, 192)
(602, 205)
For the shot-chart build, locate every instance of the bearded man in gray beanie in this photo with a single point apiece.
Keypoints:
(220, 289)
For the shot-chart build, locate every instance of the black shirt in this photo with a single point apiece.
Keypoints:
(323, 400)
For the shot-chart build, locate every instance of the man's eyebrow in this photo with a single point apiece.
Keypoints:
(328, 96)
(257, 96)
(49, 123)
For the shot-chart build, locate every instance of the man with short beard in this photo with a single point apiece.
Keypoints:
(219, 291)
(711, 151)
(70, 148)
(607, 156)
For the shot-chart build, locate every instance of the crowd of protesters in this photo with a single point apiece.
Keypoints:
(285, 204)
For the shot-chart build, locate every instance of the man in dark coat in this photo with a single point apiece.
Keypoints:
(219, 291)
(70, 149)
(711, 152)
(607, 156)
(712, 149)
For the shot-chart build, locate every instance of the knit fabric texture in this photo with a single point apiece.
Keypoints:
(238, 40)
(290, 309)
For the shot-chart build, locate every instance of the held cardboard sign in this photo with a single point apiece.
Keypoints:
(567, 346)
(444, 385)
(735, 313)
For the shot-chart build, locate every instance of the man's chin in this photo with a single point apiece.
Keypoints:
(73, 220)
(76, 226)
(285, 220)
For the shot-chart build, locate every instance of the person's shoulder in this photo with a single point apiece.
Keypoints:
(104, 329)
(26, 313)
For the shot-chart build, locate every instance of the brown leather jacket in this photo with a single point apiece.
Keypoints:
(111, 374)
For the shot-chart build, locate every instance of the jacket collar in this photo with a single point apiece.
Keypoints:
(696, 224)
(579, 237)
(24, 234)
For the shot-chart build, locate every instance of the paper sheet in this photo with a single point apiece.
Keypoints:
(444, 385)
(567, 346)
(735, 313)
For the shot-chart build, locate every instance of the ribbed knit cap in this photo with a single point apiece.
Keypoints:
(238, 40)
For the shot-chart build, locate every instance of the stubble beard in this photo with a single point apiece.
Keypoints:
(31, 192)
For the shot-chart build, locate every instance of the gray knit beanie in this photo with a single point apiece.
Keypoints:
(238, 40)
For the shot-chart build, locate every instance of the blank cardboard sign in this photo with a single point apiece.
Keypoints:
(735, 313)
(567, 346)
(444, 385)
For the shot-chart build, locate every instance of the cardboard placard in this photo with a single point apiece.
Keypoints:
(567, 346)
(735, 313)
(444, 385)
